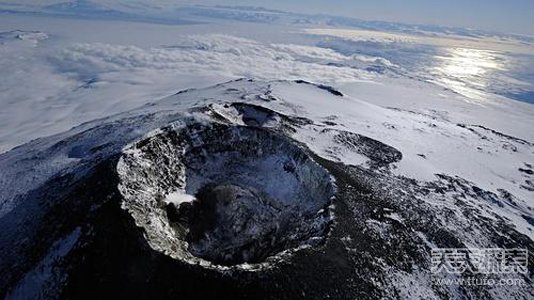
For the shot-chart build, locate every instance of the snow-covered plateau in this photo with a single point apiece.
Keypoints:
(207, 160)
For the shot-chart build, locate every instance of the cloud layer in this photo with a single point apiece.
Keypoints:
(49, 89)
(224, 54)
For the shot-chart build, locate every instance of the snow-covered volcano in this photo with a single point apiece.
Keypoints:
(238, 187)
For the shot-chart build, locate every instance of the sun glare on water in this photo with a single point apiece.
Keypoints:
(466, 70)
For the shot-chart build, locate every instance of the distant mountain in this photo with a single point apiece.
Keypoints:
(174, 13)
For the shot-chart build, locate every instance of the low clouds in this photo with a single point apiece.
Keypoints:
(48, 88)
(227, 55)
(27, 86)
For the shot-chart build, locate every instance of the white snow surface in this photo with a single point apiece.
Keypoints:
(179, 197)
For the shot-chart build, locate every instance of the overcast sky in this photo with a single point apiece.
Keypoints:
(501, 15)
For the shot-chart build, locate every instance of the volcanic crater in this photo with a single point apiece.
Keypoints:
(225, 196)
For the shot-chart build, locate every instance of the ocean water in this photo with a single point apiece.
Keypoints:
(475, 72)
(468, 71)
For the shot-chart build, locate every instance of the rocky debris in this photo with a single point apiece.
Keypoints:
(327, 88)
(528, 185)
(526, 171)
(247, 114)
(256, 116)
(379, 153)
(421, 155)
(504, 137)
